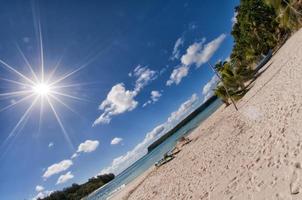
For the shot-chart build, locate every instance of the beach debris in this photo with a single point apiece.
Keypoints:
(167, 158)
(171, 154)
(180, 143)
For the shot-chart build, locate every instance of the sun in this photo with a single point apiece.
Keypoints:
(38, 87)
(42, 89)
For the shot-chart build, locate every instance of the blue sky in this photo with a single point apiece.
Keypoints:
(143, 66)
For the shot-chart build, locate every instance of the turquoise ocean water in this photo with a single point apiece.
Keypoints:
(152, 157)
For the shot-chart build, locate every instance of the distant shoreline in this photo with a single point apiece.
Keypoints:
(188, 118)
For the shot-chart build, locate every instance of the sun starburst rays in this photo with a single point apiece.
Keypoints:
(38, 88)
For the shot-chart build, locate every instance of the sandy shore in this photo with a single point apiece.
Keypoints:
(255, 153)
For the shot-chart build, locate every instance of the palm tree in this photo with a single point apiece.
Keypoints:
(222, 94)
(288, 14)
(219, 66)
(233, 77)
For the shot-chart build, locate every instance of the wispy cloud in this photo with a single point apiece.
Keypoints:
(177, 75)
(176, 50)
(155, 95)
(50, 144)
(144, 76)
(124, 161)
(64, 178)
(116, 141)
(120, 163)
(208, 89)
(57, 168)
(234, 18)
(183, 109)
(75, 155)
(39, 188)
(42, 194)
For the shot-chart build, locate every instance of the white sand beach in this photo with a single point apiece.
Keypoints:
(252, 154)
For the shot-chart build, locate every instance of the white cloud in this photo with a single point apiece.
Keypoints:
(198, 54)
(42, 194)
(176, 52)
(65, 177)
(234, 18)
(85, 147)
(177, 75)
(121, 163)
(155, 95)
(144, 76)
(116, 140)
(208, 88)
(124, 161)
(74, 155)
(50, 144)
(88, 146)
(118, 101)
(39, 188)
(146, 103)
(57, 168)
(184, 109)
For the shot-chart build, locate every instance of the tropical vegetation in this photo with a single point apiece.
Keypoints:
(261, 26)
(77, 192)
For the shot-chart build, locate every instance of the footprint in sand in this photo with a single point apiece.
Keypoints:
(295, 181)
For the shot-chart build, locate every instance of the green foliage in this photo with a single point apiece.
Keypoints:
(76, 192)
(288, 13)
(233, 79)
(261, 25)
(255, 30)
(221, 93)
